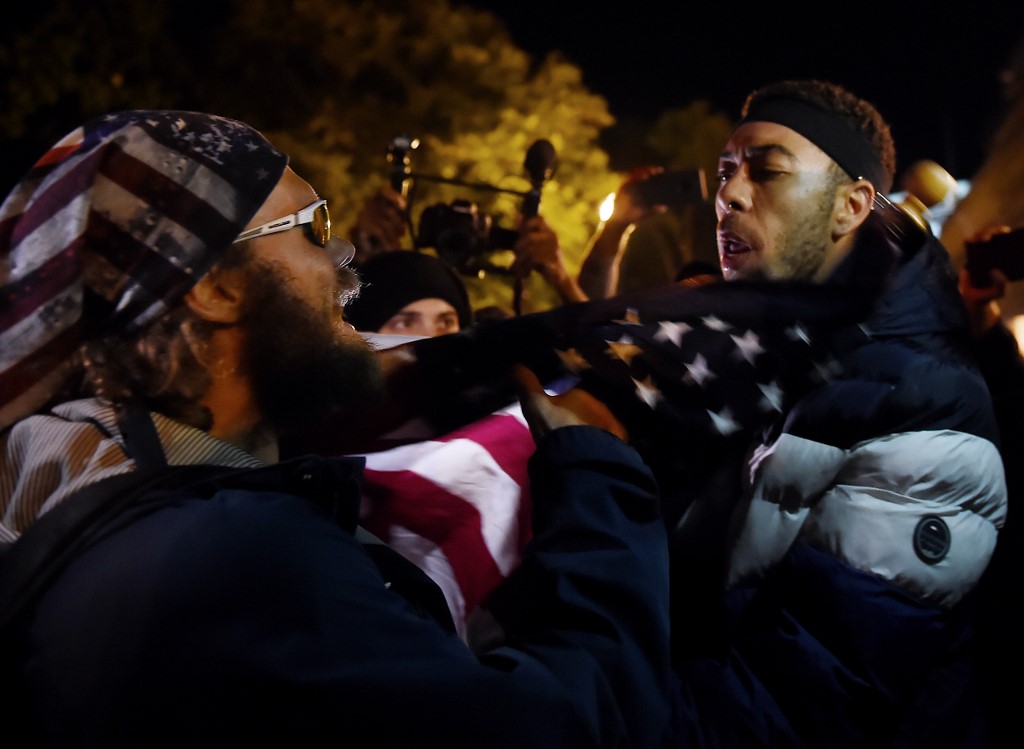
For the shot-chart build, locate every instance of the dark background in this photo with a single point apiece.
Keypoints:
(933, 70)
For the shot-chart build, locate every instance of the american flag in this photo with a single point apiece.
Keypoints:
(684, 382)
(458, 506)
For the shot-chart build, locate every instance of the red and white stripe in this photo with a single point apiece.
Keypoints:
(457, 506)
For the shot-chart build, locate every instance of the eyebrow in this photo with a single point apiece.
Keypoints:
(762, 150)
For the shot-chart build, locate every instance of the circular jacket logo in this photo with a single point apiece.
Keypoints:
(931, 539)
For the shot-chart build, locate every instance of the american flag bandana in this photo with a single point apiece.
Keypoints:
(111, 228)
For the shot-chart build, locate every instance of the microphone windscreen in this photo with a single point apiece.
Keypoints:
(540, 160)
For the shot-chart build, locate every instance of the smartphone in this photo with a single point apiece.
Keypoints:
(672, 188)
(1004, 252)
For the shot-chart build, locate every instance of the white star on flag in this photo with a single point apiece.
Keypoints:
(647, 392)
(797, 333)
(724, 422)
(699, 371)
(623, 349)
(826, 370)
(672, 331)
(572, 360)
(632, 317)
(772, 396)
(715, 323)
(749, 345)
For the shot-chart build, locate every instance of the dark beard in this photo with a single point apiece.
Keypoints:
(302, 368)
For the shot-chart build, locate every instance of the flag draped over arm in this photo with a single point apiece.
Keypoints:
(457, 506)
(693, 373)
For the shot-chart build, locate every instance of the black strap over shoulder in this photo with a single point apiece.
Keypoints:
(29, 565)
(141, 440)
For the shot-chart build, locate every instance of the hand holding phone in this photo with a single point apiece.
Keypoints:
(1000, 249)
(674, 189)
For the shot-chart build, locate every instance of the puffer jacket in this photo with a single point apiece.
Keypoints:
(866, 523)
(829, 474)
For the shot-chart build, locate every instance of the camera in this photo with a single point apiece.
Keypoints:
(461, 234)
(673, 188)
(1003, 251)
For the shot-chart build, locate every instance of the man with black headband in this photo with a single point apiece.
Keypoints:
(170, 306)
(868, 515)
(796, 182)
(825, 449)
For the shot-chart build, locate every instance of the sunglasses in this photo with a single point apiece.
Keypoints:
(314, 218)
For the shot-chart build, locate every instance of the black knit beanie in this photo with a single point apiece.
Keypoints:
(391, 280)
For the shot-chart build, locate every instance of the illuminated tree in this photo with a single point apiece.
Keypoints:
(331, 82)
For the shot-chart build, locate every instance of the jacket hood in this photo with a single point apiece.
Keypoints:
(922, 297)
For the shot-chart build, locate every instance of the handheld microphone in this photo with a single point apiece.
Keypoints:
(540, 161)
(401, 162)
(539, 165)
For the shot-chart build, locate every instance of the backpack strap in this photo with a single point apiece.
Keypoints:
(141, 441)
(33, 562)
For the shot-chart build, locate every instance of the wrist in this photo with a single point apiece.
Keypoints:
(984, 318)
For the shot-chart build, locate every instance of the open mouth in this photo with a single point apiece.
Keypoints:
(735, 255)
(730, 245)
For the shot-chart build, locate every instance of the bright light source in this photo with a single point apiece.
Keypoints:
(1016, 326)
(605, 211)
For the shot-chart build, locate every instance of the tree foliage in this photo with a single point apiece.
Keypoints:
(332, 82)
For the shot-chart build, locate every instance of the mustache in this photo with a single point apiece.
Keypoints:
(727, 223)
(347, 284)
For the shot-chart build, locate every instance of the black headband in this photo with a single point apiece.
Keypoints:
(833, 135)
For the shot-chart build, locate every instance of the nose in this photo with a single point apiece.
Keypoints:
(733, 194)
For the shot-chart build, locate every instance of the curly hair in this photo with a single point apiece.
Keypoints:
(161, 366)
(859, 114)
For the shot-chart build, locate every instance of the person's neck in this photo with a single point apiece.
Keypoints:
(236, 420)
(236, 417)
(834, 256)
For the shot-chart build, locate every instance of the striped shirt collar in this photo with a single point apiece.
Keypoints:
(47, 457)
(182, 444)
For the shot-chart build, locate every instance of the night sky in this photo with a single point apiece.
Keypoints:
(933, 71)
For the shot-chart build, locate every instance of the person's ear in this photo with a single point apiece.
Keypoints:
(218, 296)
(855, 201)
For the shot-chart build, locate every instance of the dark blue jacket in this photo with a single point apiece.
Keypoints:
(826, 456)
(250, 613)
